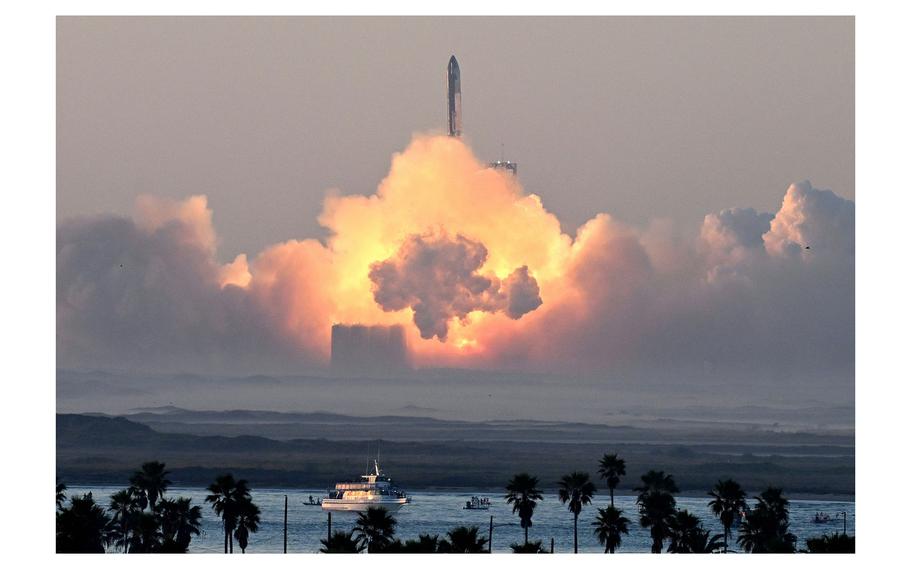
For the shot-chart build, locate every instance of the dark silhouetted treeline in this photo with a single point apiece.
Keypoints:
(141, 519)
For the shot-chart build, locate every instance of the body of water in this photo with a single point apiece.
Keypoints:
(438, 512)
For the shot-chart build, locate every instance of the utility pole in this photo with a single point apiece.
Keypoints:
(490, 543)
(285, 524)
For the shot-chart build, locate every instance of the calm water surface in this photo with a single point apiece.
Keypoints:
(438, 512)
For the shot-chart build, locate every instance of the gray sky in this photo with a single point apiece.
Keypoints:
(638, 117)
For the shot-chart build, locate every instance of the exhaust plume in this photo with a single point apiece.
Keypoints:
(476, 272)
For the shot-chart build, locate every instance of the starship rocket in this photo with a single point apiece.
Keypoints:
(454, 87)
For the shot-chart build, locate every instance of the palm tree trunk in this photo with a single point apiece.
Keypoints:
(576, 534)
(225, 539)
(526, 535)
(611, 496)
(726, 530)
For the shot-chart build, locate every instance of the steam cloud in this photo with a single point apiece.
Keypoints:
(437, 278)
(478, 273)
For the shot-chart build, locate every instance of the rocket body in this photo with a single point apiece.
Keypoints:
(454, 97)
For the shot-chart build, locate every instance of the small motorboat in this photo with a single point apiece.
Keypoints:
(822, 518)
(313, 502)
(476, 503)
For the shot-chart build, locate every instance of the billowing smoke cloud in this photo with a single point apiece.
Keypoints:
(521, 292)
(479, 274)
(731, 237)
(811, 219)
(437, 277)
(147, 293)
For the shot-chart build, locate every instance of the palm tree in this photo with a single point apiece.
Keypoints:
(124, 508)
(728, 503)
(221, 496)
(687, 536)
(82, 526)
(774, 501)
(424, 544)
(247, 522)
(179, 522)
(656, 505)
(523, 495)
(462, 540)
(145, 534)
(766, 527)
(375, 528)
(533, 547)
(655, 511)
(241, 494)
(577, 490)
(150, 483)
(683, 525)
(339, 543)
(61, 495)
(224, 495)
(611, 469)
(655, 481)
(609, 528)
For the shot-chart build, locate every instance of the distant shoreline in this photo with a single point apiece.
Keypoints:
(101, 450)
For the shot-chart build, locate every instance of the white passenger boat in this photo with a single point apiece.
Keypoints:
(376, 490)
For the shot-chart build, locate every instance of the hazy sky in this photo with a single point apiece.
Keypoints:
(639, 117)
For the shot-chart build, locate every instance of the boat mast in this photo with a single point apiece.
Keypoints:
(378, 452)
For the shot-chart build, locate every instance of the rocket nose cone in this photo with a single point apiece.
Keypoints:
(453, 63)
